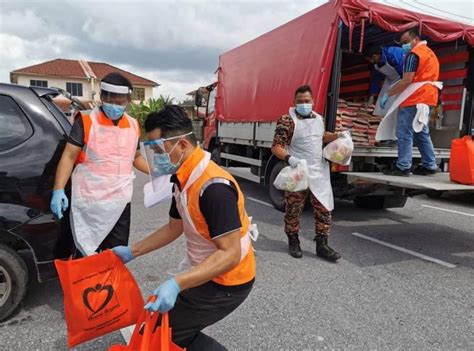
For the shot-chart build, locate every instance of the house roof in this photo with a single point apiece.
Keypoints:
(76, 69)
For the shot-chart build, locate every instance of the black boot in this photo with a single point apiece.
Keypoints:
(294, 248)
(323, 250)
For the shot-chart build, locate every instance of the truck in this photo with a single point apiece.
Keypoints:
(238, 113)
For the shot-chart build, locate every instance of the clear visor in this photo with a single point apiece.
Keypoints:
(114, 98)
(151, 148)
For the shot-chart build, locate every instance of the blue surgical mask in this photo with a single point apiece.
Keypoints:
(163, 165)
(112, 111)
(406, 48)
(304, 109)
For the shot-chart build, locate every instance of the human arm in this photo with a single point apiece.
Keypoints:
(411, 65)
(140, 163)
(282, 138)
(65, 166)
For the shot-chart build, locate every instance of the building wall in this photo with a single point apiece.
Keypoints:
(58, 83)
(87, 87)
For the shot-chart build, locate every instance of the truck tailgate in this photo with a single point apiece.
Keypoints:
(438, 182)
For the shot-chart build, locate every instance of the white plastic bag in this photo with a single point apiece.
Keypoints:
(293, 179)
(340, 150)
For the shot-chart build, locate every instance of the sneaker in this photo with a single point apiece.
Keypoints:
(395, 171)
(421, 170)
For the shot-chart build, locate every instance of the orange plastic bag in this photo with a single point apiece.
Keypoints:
(461, 164)
(146, 337)
(100, 296)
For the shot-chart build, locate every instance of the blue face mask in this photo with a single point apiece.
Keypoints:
(406, 48)
(304, 109)
(112, 111)
(163, 165)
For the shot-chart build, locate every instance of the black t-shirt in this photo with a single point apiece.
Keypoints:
(76, 136)
(219, 206)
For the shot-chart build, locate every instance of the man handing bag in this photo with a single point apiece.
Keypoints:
(218, 271)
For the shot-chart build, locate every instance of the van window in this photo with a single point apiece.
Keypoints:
(15, 126)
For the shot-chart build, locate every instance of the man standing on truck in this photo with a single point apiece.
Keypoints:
(218, 271)
(417, 95)
(387, 70)
(100, 153)
(300, 135)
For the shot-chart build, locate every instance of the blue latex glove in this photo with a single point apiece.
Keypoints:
(59, 203)
(166, 294)
(124, 252)
(383, 100)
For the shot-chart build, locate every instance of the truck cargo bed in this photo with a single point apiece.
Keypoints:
(437, 182)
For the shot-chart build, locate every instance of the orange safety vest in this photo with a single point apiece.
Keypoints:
(428, 70)
(103, 120)
(245, 270)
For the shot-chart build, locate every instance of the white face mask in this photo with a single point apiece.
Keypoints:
(304, 109)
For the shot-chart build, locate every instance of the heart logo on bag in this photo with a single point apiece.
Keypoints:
(95, 294)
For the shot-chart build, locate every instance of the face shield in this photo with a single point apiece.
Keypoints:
(158, 159)
(115, 99)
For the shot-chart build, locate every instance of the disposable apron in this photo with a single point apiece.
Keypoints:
(387, 129)
(391, 78)
(197, 247)
(103, 184)
(307, 144)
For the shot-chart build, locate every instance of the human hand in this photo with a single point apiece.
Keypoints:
(166, 295)
(59, 203)
(293, 161)
(383, 100)
(124, 252)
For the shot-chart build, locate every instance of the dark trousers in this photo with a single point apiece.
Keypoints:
(200, 307)
(295, 202)
(118, 236)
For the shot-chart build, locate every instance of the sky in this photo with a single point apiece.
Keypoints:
(175, 43)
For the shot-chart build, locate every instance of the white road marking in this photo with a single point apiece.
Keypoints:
(402, 249)
(260, 202)
(446, 210)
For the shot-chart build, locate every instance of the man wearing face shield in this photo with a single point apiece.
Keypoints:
(99, 158)
(300, 135)
(218, 269)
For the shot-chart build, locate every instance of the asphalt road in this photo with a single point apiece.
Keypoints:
(416, 293)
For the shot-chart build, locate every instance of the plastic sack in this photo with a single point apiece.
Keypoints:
(339, 151)
(461, 163)
(293, 179)
(145, 337)
(100, 296)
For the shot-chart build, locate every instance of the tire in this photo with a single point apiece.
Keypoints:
(13, 281)
(216, 155)
(378, 202)
(277, 197)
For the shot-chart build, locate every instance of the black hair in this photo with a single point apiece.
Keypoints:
(172, 120)
(372, 50)
(116, 78)
(413, 33)
(303, 89)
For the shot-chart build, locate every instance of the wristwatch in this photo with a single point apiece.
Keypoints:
(287, 158)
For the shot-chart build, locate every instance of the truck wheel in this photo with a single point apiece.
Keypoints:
(13, 281)
(216, 155)
(277, 197)
(377, 202)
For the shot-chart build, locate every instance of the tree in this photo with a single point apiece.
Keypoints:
(142, 110)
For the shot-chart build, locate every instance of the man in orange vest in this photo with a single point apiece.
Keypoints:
(208, 206)
(418, 94)
(99, 157)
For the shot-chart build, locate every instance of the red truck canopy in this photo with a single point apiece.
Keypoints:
(257, 80)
